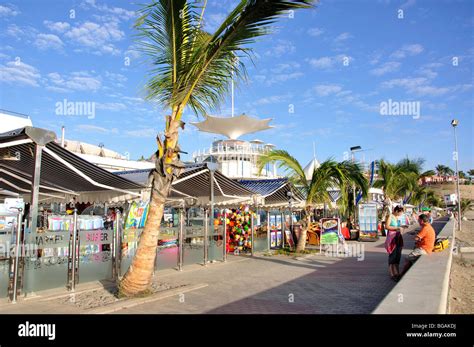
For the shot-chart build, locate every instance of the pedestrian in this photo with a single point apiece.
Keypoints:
(394, 242)
(424, 242)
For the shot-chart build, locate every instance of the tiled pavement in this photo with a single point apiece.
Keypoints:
(276, 284)
(280, 284)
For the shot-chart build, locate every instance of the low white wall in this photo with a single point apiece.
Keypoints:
(424, 288)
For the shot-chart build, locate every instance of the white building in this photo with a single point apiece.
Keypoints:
(236, 158)
(12, 120)
(450, 199)
(98, 155)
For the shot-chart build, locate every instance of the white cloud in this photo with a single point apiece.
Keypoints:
(45, 41)
(407, 4)
(286, 67)
(280, 48)
(19, 74)
(277, 78)
(97, 36)
(420, 86)
(132, 53)
(271, 100)
(111, 106)
(7, 11)
(77, 81)
(407, 50)
(110, 13)
(388, 67)
(329, 62)
(97, 129)
(327, 89)
(144, 132)
(343, 37)
(315, 32)
(321, 63)
(59, 27)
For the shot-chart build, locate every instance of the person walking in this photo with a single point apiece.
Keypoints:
(394, 242)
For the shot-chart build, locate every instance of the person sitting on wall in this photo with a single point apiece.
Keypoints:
(424, 242)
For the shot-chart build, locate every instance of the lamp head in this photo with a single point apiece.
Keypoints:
(454, 122)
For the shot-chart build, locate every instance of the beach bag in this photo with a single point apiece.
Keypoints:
(440, 245)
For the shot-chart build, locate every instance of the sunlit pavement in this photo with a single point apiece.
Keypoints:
(315, 284)
(281, 284)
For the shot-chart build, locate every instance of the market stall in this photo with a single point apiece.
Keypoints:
(50, 181)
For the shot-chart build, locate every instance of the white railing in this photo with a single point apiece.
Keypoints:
(226, 150)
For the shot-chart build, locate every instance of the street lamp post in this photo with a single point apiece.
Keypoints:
(455, 123)
(354, 149)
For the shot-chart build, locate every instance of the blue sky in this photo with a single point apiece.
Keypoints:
(321, 76)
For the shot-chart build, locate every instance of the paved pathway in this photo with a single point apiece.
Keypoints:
(279, 284)
(276, 284)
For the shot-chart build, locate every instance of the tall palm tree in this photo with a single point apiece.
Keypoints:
(440, 170)
(190, 67)
(327, 176)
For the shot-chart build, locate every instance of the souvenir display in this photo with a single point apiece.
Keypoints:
(239, 230)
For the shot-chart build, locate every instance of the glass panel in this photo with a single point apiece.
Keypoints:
(6, 243)
(193, 247)
(129, 246)
(46, 268)
(167, 251)
(95, 257)
(215, 237)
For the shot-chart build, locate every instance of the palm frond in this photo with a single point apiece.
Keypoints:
(285, 161)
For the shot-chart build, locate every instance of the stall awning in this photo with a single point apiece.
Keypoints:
(194, 182)
(274, 191)
(62, 173)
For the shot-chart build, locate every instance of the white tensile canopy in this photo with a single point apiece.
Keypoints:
(233, 127)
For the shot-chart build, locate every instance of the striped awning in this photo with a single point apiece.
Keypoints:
(274, 191)
(62, 173)
(195, 182)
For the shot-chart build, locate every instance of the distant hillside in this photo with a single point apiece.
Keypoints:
(467, 192)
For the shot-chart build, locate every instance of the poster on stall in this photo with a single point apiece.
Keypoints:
(329, 231)
(368, 222)
(137, 215)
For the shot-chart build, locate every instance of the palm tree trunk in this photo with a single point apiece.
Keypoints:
(138, 278)
(302, 239)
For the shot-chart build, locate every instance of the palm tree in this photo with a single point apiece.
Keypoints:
(471, 172)
(327, 176)
(441, 170)
(191, 67)
(466, 204)
(424, 196)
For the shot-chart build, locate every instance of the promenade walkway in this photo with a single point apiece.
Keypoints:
(314, 284)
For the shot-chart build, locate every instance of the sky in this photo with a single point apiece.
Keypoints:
(331, 76)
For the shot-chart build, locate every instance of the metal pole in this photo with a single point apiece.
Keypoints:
(17, 255)
(74, 251)
(283, 226)
(268, 230)
(180, 239)
(35, 188)
(224, 238)
(457, 179)
(211, 214)
(117, 244)
(206, 227)
(251, 235)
